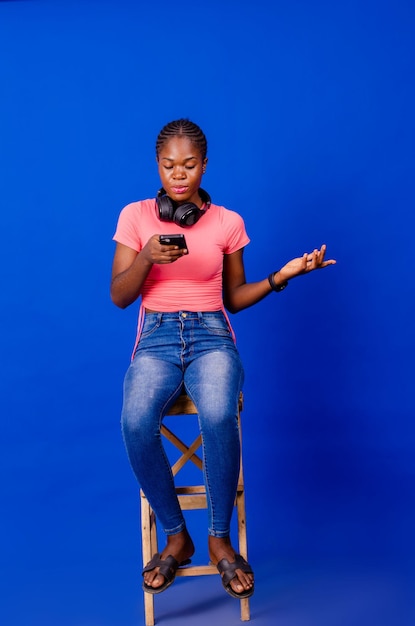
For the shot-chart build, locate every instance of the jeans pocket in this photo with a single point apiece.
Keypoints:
(215, 324)
(151, 323)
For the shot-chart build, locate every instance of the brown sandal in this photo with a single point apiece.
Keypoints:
(227, 571)
(168, 568)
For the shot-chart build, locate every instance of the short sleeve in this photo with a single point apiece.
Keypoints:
(126, 231)
(236, 235)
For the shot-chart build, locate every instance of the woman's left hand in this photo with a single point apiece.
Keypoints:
(303, 265)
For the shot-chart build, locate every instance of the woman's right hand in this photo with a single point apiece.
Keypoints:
(155, 252)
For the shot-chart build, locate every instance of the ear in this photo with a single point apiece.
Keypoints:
(205, 160)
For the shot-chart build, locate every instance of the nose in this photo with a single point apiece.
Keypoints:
(179, 173)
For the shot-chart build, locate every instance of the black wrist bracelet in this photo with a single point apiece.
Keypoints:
(273, 284)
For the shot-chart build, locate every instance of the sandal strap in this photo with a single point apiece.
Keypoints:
(228, 570)
(168, 566)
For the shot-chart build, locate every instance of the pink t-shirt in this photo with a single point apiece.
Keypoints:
(194, 282)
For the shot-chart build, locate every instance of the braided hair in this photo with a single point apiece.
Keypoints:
(182, 128)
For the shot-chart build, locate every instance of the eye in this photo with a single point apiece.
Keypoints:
(168, 167)
(190, 167)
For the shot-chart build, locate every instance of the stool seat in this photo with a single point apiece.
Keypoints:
(191, 497)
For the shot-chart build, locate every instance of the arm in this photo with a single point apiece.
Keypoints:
(238, 294)
(131, 268)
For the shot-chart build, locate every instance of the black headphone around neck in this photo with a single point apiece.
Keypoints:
(185, 214)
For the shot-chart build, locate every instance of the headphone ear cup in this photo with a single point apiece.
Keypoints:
(187, 214)
(166, 208)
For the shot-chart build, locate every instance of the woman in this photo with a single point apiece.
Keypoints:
(185, 341)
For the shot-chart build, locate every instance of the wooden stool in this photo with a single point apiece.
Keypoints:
(190, 498)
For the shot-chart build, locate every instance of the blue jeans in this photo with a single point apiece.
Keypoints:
(194, 351)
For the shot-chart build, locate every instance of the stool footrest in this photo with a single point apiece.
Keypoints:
(189, 502)
(197, 570)
(191, 490)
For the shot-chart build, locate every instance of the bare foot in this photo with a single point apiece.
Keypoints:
(221, 548)
(180, 546)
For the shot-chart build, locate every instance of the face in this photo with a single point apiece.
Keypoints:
(181, 168)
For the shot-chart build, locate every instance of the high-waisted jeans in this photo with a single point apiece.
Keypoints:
(195, 351)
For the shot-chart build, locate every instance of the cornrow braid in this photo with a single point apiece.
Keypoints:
(182, 128)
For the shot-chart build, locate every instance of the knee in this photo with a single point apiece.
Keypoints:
(138, 424)
(220, 421)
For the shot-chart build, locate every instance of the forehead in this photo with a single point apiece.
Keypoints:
(179, 147)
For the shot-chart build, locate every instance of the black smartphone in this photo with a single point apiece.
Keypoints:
(173, 240)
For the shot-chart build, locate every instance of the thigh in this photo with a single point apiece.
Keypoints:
(214, 381)
(150, 385)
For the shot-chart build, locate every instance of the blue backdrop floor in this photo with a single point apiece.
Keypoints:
(288, 593)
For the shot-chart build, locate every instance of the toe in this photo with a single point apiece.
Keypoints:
(236, 585)
(242, 581)
(152, 579)
(158, 581)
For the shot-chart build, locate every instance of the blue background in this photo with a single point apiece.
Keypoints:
(309, 112)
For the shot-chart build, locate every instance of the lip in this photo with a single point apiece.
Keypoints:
(179, 189)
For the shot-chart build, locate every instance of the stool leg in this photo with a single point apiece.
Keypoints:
(149, 609)
(245, 612)
(149, 547)
(242, 541)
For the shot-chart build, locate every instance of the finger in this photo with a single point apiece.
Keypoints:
(170, 251)
(322, 253)
(167, 254)
(319, 259)
(164, 248)
(177, 253)
(313, 260)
